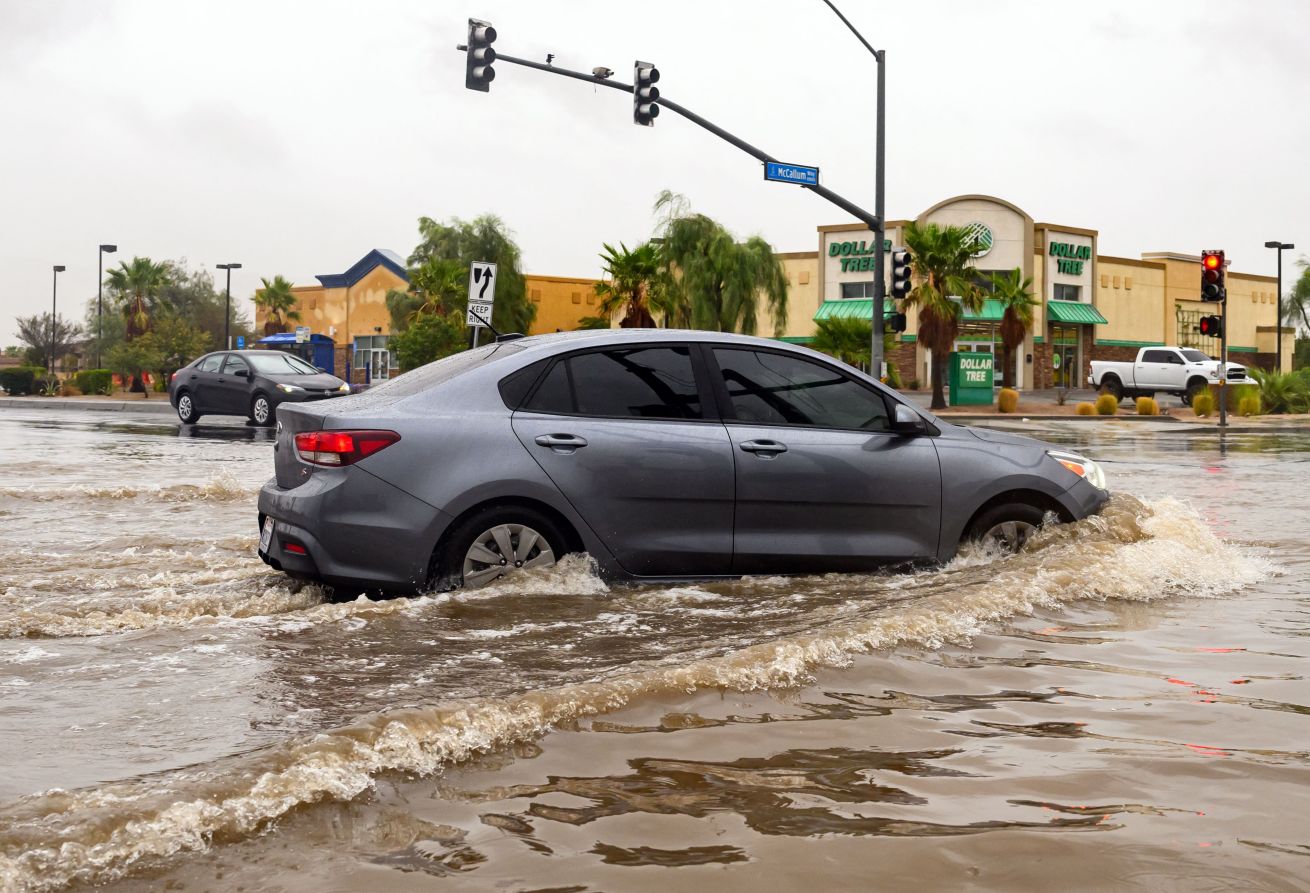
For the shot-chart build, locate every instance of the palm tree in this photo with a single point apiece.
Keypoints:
(850, 340)
(946, 288)
(1015, 294)
(276, 300)
(1296, 303)
(714, 279)
(631, 274)
(137, 285)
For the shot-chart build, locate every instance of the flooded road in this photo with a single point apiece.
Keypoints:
(1124, 705)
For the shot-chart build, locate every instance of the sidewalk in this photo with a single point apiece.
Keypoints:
(158, 403)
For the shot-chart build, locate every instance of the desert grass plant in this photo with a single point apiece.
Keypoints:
(1084, 408)
(1203, 405)
(1107, 404)
(1248, 406)
(1007, 400)
(1147, 406)
(1281, 392)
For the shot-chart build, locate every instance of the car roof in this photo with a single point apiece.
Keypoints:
(553, 341)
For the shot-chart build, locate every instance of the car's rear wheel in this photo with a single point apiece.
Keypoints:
(496, 542)
(186, 409)
(1007, 527)
(261, 411)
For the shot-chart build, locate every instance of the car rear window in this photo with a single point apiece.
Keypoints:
(433, 374)
(641, 382)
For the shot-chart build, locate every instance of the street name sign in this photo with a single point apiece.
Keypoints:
(796, 174)
(482, 291)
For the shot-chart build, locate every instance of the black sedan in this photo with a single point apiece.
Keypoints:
(248, 382)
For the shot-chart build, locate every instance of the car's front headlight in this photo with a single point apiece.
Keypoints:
(344, 389)
(289, 388)
(1082, 466)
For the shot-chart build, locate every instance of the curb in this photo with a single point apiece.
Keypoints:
(160, 406)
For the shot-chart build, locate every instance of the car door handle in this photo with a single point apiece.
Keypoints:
(565, 443)
(765, 449)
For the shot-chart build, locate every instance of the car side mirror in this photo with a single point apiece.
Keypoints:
(907, 421)
(242, 373)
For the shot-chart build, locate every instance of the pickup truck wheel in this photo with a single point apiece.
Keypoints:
(1194, 387)
(1112, 385)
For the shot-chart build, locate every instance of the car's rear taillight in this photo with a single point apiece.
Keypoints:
(173, 376)
(341, 447)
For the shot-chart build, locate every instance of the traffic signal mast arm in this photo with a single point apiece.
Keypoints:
(848, 206)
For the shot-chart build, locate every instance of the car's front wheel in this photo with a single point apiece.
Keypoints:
(186, 409)
(261, 411)
(1006, 527)
(496, 542)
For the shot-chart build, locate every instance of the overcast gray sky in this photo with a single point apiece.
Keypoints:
(294, 137)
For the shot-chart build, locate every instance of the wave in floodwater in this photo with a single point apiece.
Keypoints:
(1132, 551)
(224, 488)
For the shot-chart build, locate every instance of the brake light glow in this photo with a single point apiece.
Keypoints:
(336, 448)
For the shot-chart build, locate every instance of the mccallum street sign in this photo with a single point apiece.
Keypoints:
(798, 174)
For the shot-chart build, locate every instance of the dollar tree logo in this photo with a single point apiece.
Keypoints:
(980, 234)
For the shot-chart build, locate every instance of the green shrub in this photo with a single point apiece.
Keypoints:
(1282, 391)
(1203, 404)
(1007, 400)
(1147, 406)
(1085, 408)
(94, 381)
(1249, 405)
(1107, 404)
(1234, 394)
(19, 381)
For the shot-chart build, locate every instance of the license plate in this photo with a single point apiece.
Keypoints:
(266, 535)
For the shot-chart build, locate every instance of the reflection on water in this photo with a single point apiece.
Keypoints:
(1130, 674)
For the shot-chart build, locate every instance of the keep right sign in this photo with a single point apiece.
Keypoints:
(482, 292)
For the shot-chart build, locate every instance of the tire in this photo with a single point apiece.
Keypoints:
(262, 411)
(1194, 387)
(1112, 385)
(186, 408)
(1009, 525)
(476, 547)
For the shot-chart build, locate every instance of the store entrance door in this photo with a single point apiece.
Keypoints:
(1064, 356)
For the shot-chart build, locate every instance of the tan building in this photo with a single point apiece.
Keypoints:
(1090, 306)
(350, 308)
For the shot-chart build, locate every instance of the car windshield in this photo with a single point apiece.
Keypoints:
(277, 363)
(1195, 356)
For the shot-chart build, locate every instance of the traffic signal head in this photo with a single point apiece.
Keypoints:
(645, 95)
(478, 56)
(898, 322)
(1212, 276)
(1211, 326)
(900, 275)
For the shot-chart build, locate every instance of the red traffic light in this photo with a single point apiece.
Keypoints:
(1211, 327)
(1213, 261)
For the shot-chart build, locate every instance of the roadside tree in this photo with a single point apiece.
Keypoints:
(460, 242)
(720, 284)
(632, 275)
(136, 287)
(277, 302)
(428, 337)
(43, 341)
(940, 262)
(177, 343)
(130, 358)
(1015, 293)
(1296, 303)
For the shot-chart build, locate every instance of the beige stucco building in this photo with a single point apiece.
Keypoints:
(1090, 306)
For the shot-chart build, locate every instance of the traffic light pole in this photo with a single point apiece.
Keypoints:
(1223, 363)
(874, 221)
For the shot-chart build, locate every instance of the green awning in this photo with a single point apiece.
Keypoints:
(991, 311)
(1074, 312)
(851, 308)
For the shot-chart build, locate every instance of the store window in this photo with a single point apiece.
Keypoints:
(1067, 292)
(857, 290)
(372, 353)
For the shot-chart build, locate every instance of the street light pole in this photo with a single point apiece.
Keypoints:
(1280, 247)
(879, 183)
(100, 297)
(54, 311)
(227, 306)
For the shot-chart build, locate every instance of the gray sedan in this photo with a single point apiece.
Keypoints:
(663, 454)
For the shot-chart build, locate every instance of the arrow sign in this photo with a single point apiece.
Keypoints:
(482, 291)
(796, 174)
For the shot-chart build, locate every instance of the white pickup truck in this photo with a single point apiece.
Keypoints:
(1181, 371)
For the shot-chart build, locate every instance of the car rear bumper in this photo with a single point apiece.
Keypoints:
(355, 529)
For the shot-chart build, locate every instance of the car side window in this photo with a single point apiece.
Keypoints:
(628, 382)
(1174, 358)
(768, 388)
(233, 364)
(210, 364)
(1155, 356)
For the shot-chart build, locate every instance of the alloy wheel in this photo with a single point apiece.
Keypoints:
(184, 407)
(502, 549)
(260, 411)
(1009, 535)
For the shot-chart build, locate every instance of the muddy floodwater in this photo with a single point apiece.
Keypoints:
(1124, 705)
